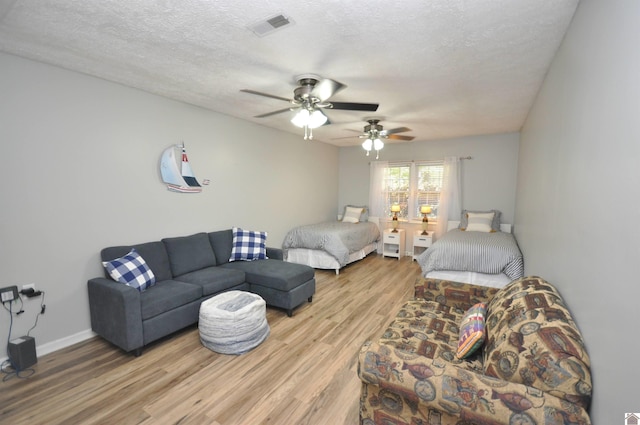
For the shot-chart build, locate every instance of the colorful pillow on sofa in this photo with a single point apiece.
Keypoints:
(131, 270)
(248, 245)
(472, 331)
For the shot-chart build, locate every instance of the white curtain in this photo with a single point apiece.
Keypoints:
(377, 190)
(449, 208)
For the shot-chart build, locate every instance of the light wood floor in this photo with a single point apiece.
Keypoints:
(304, 373)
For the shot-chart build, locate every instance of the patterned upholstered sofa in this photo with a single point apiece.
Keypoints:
(532, 368)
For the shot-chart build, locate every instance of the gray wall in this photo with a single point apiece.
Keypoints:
(577, 208)
(488, 180)
(80, 172)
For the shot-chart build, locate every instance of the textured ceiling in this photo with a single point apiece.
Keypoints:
(444, 68)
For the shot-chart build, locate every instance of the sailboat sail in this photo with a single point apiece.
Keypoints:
(179, 178)
(187, 172)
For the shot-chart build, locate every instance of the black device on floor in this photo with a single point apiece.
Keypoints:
(22, 352)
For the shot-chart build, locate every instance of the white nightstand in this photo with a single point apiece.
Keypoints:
(393, 244)
(421, 242)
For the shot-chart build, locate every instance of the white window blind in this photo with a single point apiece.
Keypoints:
(411, 185)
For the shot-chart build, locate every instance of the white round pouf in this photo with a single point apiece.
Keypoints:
(233, 322)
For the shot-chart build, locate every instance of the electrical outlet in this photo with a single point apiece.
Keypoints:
(29, 285)
(8, 294)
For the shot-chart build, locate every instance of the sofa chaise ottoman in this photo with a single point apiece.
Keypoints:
(531, 369)
(186, 271)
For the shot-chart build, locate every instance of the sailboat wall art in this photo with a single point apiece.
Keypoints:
(176, 171)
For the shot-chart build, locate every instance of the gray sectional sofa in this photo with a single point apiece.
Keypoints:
(188, 270)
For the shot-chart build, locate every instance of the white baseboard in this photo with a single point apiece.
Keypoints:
(61, 343)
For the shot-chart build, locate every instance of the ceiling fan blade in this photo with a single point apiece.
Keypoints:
(397, 130)
(347, 137)
(268, 114)
(265, 95)
(399, 137)
(350, 106)
(326, 88)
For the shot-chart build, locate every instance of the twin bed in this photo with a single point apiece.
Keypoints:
(331, 245)
(481, 258)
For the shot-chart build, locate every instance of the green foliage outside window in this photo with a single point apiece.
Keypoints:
(425, 191)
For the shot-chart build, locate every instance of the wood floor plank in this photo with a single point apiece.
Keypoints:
(304, 373)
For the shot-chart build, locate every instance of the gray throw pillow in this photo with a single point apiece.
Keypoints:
(189, 253)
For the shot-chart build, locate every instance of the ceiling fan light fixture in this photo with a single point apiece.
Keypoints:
(309, 118)
(377, 144)
(316, 119)
(301, 118)
(367, 145)
(305, 118)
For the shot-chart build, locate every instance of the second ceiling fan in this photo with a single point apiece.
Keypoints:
(312, 95)
(374, 133)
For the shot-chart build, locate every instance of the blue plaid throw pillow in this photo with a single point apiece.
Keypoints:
(248, 245)
(131, 270)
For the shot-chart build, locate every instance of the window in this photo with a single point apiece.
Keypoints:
(397, 184)
(412, 185)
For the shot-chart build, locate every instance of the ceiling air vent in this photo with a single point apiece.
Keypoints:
(270, 25)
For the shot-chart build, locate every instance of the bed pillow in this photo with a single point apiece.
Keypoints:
(131, 270)
(472, 331)
(364, 215)
(352, 214)
(248, 245)
(495, 223)
(479, 222)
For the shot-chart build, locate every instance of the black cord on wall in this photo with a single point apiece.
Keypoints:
(9, 367)
(42, 308)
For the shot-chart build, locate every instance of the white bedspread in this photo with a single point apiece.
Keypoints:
(482, 279)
